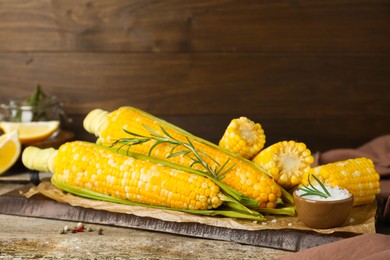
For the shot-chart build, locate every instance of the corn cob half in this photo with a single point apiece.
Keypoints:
(93, 171)
(286, 161)
(358, 176)
(244, 137)
(134, 130)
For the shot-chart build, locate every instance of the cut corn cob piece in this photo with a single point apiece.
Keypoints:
(236, 172)
(96, 172)
(244, 137)
(88, 166)
(287, 161)
(358, 176)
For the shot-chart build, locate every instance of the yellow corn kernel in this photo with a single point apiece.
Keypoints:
(244, 175)
(357, 175)
(287, 161)
(128, 178)
(244, 137)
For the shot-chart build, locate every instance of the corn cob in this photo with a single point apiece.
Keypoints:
(358, 176)
(97, 169)
(244, 137)
(85, 168)
(286, 161)
(136, 131)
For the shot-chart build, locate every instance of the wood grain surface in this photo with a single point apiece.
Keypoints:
(313, 71)
(39, 206)
(195, 26)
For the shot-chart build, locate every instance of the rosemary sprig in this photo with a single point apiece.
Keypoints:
(312, 190)
(218, 172)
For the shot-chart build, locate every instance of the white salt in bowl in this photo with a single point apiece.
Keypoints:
(323, 213)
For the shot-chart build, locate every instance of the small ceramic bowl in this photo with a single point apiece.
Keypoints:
(323, 214)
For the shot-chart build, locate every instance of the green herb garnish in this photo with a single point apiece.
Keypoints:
(37, 98)
(217, 172)
(34, 104)
(312, 190)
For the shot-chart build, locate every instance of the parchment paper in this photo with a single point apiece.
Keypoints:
(361, 220)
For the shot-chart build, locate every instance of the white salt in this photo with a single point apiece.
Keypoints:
(335, 193)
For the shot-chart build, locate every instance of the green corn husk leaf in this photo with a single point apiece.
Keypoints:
(236, 206)
(288, 198)
(103, 197)
(288, 211)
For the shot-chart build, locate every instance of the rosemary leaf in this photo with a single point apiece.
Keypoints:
(154, 146)
(322, 185)
(151, 130)
(131, 133)
(177, 154)
(311, 190)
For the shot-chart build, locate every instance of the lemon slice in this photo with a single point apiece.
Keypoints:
(10, 149)
(29, 132)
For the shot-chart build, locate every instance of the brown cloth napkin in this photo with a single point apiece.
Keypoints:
(378, 150)
(362, 247)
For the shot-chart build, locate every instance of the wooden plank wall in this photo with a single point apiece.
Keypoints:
(313, 71)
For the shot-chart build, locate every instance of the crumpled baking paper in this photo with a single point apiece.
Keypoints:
(361, 220)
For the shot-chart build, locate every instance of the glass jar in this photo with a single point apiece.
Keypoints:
(18, 110)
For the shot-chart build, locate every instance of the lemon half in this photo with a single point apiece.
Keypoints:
(29, 132)
(10, 150)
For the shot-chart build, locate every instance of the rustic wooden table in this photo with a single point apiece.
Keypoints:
(27, 237)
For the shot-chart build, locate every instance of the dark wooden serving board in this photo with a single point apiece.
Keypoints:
(12, 203)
